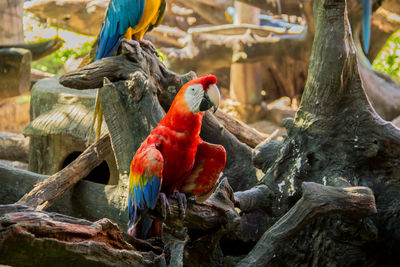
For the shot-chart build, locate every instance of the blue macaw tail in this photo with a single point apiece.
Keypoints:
(143, 227)
(366, 22)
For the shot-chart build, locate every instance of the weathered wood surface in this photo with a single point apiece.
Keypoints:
(14, 147)
(317, 200)
(15, 71)
(91, 76)
(38, 49)
(37, 238)
(44, 195)
(336, 139)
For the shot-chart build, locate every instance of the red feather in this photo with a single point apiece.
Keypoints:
(186, 158)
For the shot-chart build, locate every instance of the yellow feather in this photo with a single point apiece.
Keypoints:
(150, 14)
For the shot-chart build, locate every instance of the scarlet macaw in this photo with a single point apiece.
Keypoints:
(124, 18)
(174, 158)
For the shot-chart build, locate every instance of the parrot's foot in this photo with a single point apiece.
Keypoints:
(165, 209)
(133, 47)
(182, 203)
(148, 44)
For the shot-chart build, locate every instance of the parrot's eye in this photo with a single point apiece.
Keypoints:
(193, 89)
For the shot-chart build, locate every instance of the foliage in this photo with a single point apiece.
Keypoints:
(54, 63)
(388, 59)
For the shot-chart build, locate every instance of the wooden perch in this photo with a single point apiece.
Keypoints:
(26, 235)
(242, 131)
(39, 49)
(44, 195)
(119, 68)
(14, 147)
(317, 200)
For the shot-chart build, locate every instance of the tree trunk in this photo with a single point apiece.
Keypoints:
(11, 30)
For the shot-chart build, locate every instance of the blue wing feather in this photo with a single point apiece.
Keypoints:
(120, 15)
(366, 22)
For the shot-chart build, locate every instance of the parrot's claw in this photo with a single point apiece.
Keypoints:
(182, 203)
(165, 208)
(148, 44)
(133, 47)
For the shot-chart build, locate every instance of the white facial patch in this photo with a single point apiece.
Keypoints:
(193, 95)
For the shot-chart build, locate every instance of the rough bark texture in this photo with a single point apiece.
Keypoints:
(336, 139)
(317, 200)
(35, 238)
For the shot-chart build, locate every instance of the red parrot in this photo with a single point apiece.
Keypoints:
(174, 158)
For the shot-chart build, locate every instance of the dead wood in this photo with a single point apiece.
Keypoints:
(242, 131)
(39, 49)
(46, 193)
(336, 139)
(14, 147)
(118, 68)
(31, 236)
(317, 200)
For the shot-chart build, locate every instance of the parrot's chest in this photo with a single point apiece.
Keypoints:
(179, 156)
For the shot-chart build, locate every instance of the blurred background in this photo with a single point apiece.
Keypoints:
(260, 55)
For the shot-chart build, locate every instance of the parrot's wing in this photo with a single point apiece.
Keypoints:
(209, 163)
(120, 15)
(144, 183)
(160, 16)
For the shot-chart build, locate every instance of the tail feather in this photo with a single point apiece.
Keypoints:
(144, 227)
(366, 22)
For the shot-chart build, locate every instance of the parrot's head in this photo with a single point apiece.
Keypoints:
(201, 94)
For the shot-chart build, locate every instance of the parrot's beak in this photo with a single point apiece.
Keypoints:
(211, 98)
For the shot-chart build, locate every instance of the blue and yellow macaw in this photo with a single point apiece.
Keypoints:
(124, 18)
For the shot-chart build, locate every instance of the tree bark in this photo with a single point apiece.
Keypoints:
(317, 200)
(27, 235)
(335, 139)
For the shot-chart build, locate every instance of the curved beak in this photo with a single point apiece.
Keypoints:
(211, 98)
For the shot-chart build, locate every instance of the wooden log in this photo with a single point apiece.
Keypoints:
(242, 131)
(91, 76)
(317, 200)
(46, 193)
(15, 72)
(26, 235)
(128, 65)
(14, 147)
(94, 201)
(38, 49)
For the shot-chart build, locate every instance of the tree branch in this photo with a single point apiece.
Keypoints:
(26, 234)
(317, 200)
(46, 193)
